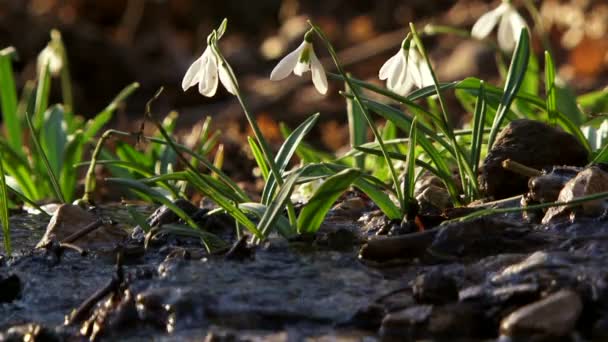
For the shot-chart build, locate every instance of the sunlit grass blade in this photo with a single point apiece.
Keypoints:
(138, 218)
(276, 207)
(359, 103)
(27, 201)
(204, 185)
(72, 154)
(601, 156)
(43, 90)
(4, 219)
(515, 77)
(379, 197)
(124, 164)
(357, 129)
(8, 100)
(211, 242)
(550, 92)
(410, 165)
(446, 126)
(314, 212)
(306, 152)
(53, 137)
(17, 166)
(281, 223)
(141, 188)
(259, 157)
(49, 170)
(285, 153)
(218, 161)
(479, 119)
(494, 211)
(398, 156)
(403, 122)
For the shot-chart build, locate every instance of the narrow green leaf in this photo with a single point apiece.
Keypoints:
(276, 207)
(282, 223)
(379, 197)
(142, 188)
(259, 157)
(8, 100)
(204, 186)
(138, 218)
(357, 128)
(43, 90)
(312, 214)
(285, 153)
(410, 165)
(550, 91)
(4, 219)
(72, 155)
(49, 170)
(53, 137)
(478, 129)
(517, 71)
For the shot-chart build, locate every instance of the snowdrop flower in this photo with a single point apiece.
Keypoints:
(509, 28)
(299, 61)
(50, 57)
(405, 69)
(206, 69)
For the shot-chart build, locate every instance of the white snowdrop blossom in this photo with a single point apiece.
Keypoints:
(205, 71)
(299, 61)
(50, 56)
(509, 29)
(405, 69)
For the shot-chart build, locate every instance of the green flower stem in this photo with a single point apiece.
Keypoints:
(89, 180)
(264, 146)
(492, 211)
(357, 99)
(463, 167)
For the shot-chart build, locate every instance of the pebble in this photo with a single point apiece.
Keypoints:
(554, 315)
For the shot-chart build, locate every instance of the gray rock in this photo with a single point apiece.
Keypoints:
(555, 315)
(406, 325)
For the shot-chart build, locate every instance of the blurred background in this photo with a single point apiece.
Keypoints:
(112, 43)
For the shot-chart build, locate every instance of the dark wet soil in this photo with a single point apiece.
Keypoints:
(474, 281)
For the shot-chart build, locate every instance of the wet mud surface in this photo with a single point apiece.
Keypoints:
(494, 278)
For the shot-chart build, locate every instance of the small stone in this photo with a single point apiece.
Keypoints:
(457, 320)
(406, 325)
(69, 219)
(531, 143)
(590, 181)
(435, 288)
(555, 315)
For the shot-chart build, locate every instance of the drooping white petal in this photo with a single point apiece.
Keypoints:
(426, 78)
(506, 40)
(396, 71)
(388, 66)
(319, 79)
(517, 23)
(226, 79)
(404, 87)
(208, 78)
(301, 67)
(484, 25)
(191, 76)
(287, 64)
